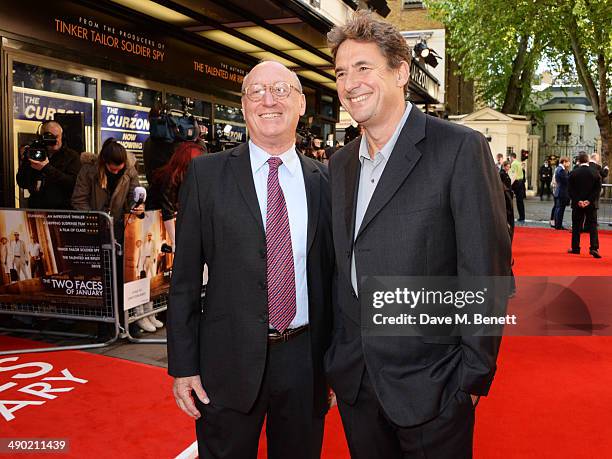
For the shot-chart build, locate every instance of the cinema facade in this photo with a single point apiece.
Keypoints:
(100, 66)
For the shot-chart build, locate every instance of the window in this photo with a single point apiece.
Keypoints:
(509, 150)
(408, 4)
(328, 107)
(40, 78)
(563, 133)
(132, 95)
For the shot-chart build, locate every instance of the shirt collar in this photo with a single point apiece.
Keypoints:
(385, 151)
(259, 158)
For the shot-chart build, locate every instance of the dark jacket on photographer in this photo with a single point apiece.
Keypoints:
(51, 187)
(93, 193)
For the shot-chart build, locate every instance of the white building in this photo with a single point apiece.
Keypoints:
(569, 123)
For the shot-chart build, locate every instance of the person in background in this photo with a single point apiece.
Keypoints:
(584, 186)
(107, 183)
(500, 161)
(518, 185)
(560, 193)
(602, 172)
(51, 181)
(546, 174)
(508, 196)
(166, 183)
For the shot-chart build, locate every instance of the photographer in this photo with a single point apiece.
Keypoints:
(48, 169)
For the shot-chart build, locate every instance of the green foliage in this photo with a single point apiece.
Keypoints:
(485, 37)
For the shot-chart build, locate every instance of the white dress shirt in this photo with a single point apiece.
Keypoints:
(291, 180)
(369, 176)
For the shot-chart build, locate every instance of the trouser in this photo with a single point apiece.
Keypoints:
(588, 215)
(559, 211)
(285, 401)
(545, 186)
(371, 434)
(20, 266)
(148, 267)
(519, 192)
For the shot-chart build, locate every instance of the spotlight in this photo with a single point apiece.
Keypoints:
(421, 50)
(428, 55)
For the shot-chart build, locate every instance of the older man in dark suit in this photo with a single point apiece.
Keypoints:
(259, 216)
(414, 196)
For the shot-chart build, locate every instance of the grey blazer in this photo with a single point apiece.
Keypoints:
(438, 210)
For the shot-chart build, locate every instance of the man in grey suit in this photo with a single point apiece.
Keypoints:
(259, 215)
(414, 196)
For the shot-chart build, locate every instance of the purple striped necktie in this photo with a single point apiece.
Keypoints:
(280, 270)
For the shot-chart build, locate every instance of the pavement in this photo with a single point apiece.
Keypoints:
(537, 214)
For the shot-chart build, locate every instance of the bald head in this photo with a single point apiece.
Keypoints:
(264, 65)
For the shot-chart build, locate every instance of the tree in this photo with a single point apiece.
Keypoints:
(499, 44)
(495, 43)
(582, 35)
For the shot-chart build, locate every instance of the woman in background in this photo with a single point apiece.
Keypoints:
(164, 189)
(107, 183)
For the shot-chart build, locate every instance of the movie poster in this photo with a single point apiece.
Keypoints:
(147, 258)
(52, 257)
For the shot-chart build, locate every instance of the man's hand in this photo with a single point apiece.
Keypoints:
(138, 210)
(39, 165)
(331, 399)
(182, 394)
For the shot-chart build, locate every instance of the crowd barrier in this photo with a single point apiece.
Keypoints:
(61, 265)
(604, 214)
(64, 265)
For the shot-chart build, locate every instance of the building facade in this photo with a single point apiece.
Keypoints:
(100, 66)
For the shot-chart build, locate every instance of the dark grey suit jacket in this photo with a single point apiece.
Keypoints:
(224, 338)
(438, 210)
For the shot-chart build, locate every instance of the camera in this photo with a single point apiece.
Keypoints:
(305, 139)
(37, 150)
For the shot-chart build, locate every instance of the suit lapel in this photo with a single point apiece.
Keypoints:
(404, 157)
(241, 166)
(353, 168)
(312, 182)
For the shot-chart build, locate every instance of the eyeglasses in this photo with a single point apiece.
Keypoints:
(279, 90)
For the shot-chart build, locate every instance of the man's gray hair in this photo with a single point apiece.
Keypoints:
(52, 123)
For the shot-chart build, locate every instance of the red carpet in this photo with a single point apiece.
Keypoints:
(551, 398)
(543, 252)
(124, 410)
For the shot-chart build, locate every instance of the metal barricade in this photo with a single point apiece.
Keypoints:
(604, 214)
(107, 313)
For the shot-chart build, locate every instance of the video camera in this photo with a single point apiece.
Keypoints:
(305, 139)
(37, 150)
